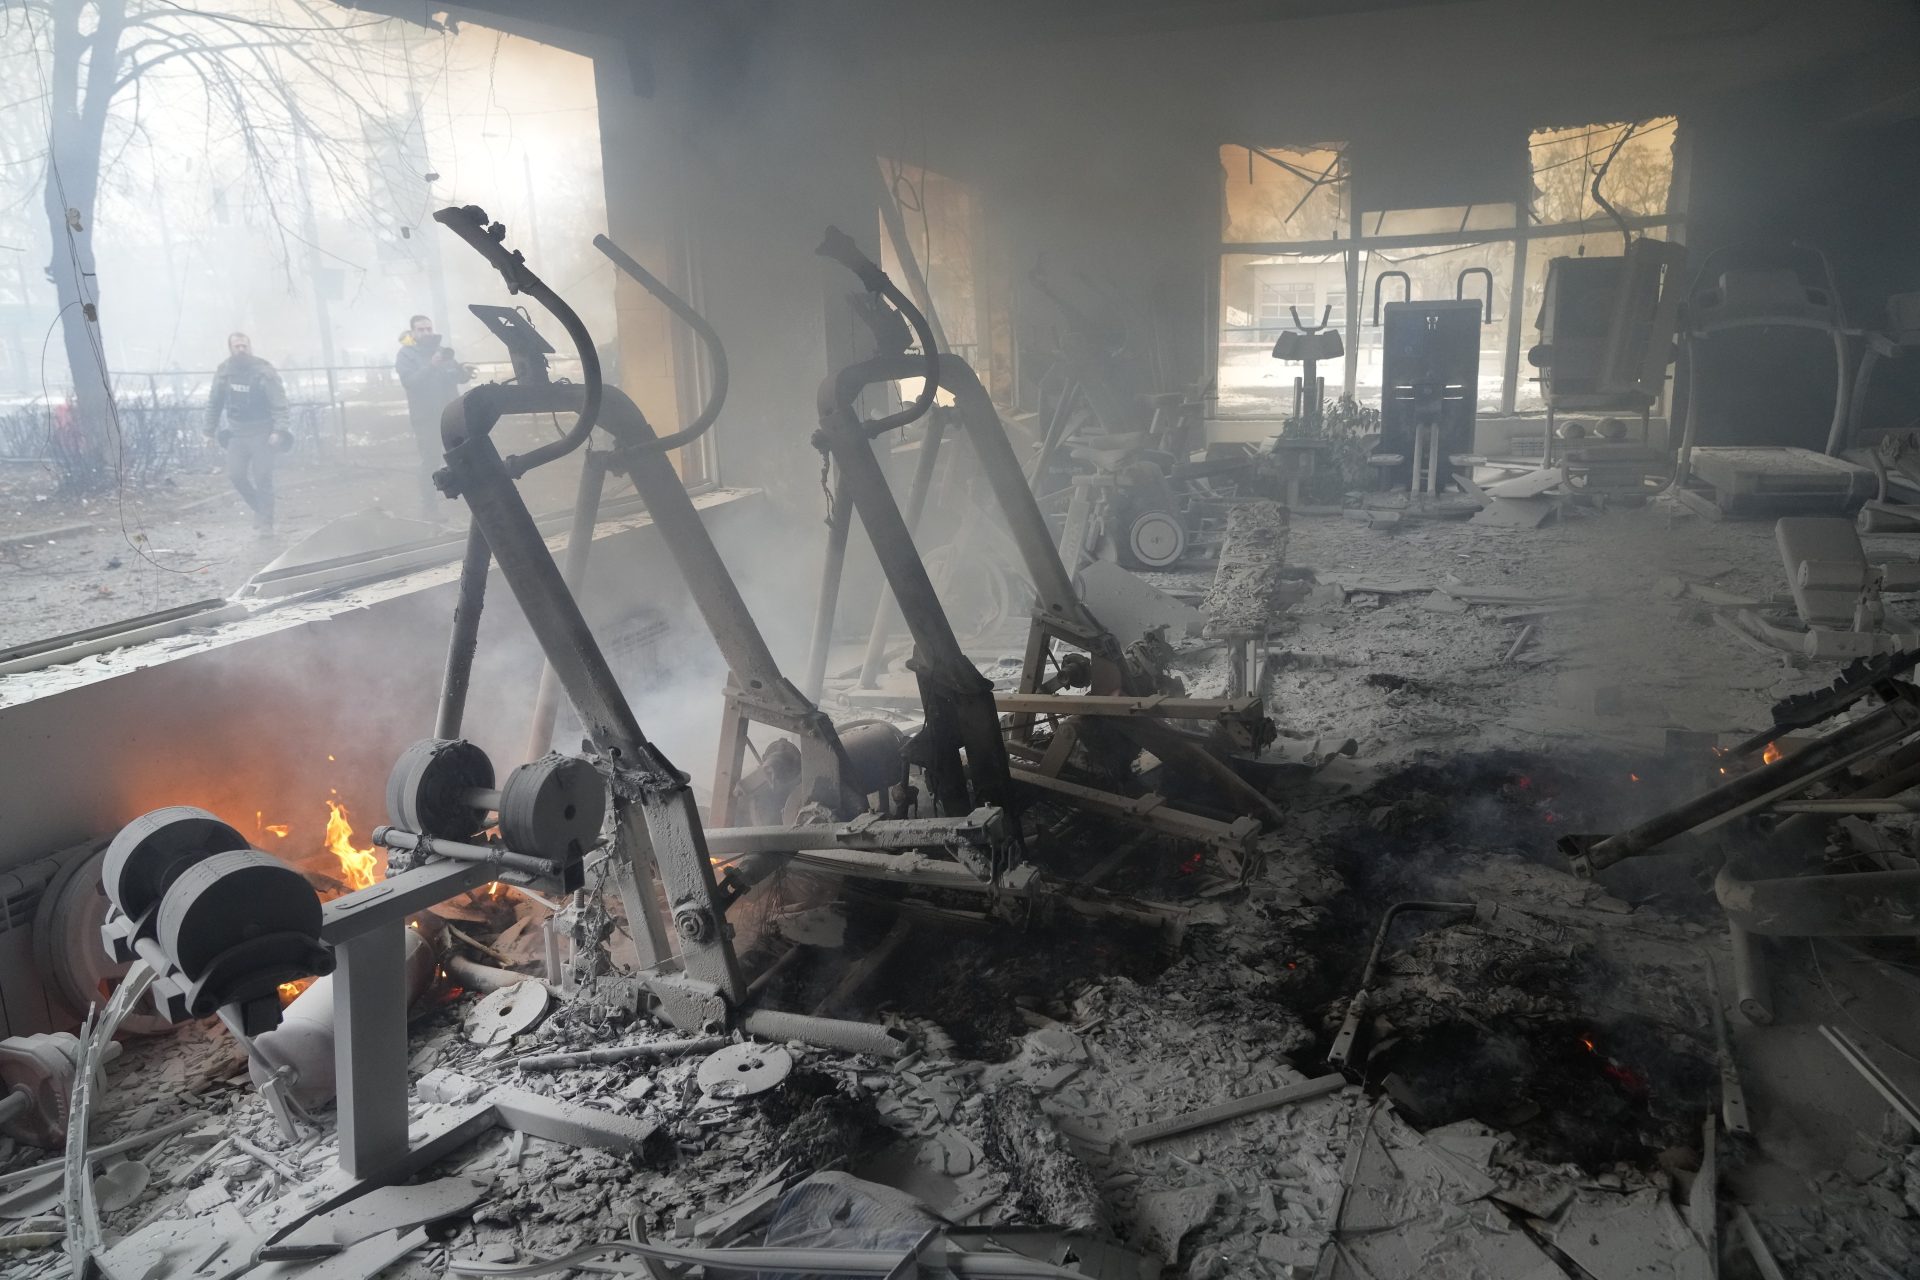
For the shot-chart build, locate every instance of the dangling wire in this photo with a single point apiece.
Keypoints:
(1600, 172)
(826, 469)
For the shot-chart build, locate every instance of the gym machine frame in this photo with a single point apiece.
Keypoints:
(756, 690)
(171, 873)
(1427, 389)
(958, 700)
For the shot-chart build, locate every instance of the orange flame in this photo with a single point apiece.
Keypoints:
(360, 868)
(1771, 754)
(288, 990)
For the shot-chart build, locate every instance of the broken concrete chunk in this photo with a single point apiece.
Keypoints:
(1639, 1235)
(385, 1209)
(445, 1086)
(1058, 1042)
(1162, 1219)
(1288, 1251)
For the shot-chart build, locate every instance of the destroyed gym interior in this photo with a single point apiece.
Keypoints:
(1196, 638)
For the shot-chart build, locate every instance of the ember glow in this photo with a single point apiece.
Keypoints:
(359, 868)
(1771, 754)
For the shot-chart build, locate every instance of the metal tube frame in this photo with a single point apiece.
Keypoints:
(465, 637)
(586, 516)
(885, 613)
(1899, 717)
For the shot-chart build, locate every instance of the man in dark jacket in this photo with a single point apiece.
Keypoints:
(249, 391)
(432, 378)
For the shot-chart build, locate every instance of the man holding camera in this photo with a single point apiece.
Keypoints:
(432, 378)
(249, 392)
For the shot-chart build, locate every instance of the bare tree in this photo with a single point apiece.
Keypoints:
(279, 82)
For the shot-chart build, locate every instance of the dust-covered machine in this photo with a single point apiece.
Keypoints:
(222, 925)
(1430, 382)
(978, 746)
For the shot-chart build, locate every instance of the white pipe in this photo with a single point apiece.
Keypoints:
(302, 1045)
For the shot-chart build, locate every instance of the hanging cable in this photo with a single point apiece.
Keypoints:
(1599, 175)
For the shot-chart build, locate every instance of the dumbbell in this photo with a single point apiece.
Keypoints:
(220, 922)
(549, 808)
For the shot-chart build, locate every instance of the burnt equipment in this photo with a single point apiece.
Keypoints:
(222, 925)
(1067, 647)
(36, 1083)
(1778, 784)
(1430, 381)
(960, 748)
(757, 692)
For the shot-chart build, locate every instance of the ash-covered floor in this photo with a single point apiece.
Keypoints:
(1540, 1081)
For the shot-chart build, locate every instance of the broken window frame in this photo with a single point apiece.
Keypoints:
(1358, 245)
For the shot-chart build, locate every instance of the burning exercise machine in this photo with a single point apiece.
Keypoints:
(961, 708)
(222, 925)
(1763, 779)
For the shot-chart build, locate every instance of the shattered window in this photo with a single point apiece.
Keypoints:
(293, 209)
(1638, 180)
(1277, 194)
(939, 216)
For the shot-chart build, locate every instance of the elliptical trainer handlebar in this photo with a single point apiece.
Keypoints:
(851, 381)
(470, 223)
(695, 321)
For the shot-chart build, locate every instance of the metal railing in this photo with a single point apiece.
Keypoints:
(161, 417)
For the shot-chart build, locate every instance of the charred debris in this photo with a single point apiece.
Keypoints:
(1369, 849)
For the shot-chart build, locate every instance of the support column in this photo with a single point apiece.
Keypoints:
(370, 1049)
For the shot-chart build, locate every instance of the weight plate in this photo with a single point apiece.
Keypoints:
(1156, 539)
(155, 847)
(232, 898)
(66, 943)
(120, 1184)
(426, 792)
(501, 1015)
(551, 807)
(742, 1070)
